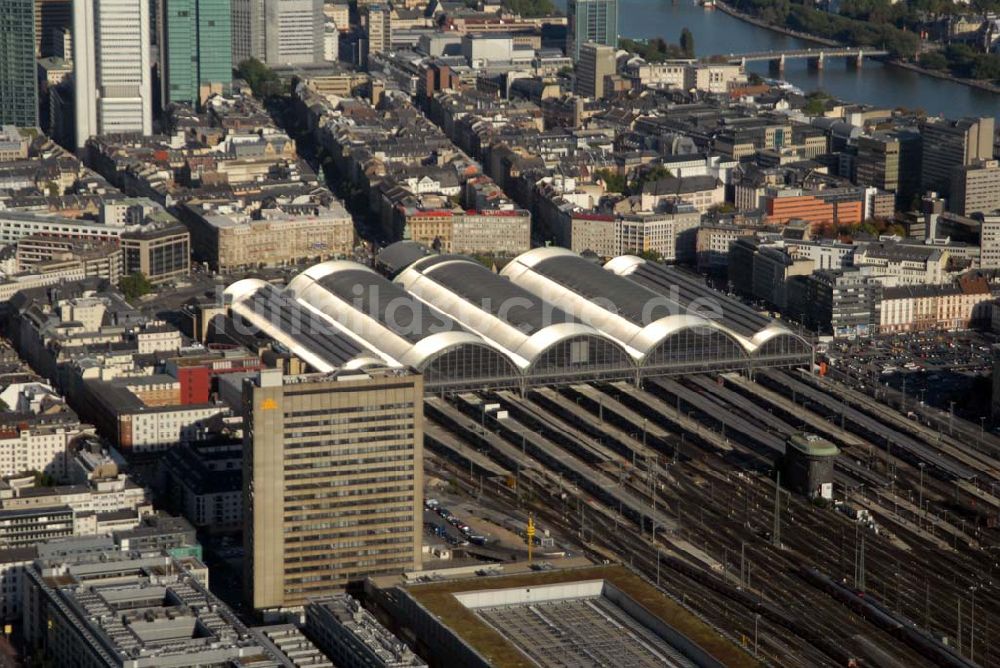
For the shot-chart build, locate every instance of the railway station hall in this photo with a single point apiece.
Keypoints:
(549, 317)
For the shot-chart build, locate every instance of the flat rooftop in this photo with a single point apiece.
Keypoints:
(505, 619)
(576, 623)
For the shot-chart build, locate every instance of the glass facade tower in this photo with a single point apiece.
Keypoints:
(591, 21)
(197, 49)
(18, 85)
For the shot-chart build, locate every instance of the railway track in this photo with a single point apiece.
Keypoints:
(717, 552)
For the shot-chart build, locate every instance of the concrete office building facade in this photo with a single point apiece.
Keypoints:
(597, 61)
(111, 68)
(949, 145)
(333, 482)
(293, 32)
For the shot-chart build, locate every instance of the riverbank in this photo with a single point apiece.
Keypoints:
(760, 23)
(945, 76)
(913, 67)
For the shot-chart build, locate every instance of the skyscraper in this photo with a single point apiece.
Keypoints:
(247, 30)
(591, 21)
(278, 32)
(111, 68)
(51, 16)
(293, 32)
(332, 482)
(18, 85)
(196, 49)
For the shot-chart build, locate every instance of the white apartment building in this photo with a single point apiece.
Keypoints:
(111, 68)
(15, 225)
(38, 443)
(824, 253)
(686, 74)
(670, 73)
(99, 496)
(898, 264)
(11, 285)
(160, 428)
(658, 233)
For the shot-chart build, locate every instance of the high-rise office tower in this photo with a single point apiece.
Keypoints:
(890, 161)
(51, 16)
(948, 145)
(18, 81)
(278, 32)
(332, 482)
(111, 68)
(247, 30)
(591, 21)
(196, 50)
(596, 62)
(293, 32)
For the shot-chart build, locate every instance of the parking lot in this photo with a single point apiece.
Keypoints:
(440, 522)
(933, 368)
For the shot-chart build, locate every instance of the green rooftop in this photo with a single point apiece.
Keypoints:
(813, 445)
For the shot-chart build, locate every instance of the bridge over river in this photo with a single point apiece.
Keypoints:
(816, 56)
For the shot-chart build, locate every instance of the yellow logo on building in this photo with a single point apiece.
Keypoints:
(268, 405)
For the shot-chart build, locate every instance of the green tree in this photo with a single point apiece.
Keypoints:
(135, 285)
(961, 59)
(614, 181)
(654, 50)
(650, 174)
(933, 60)
(687, 43)
(722, 209)
(875, 29)
(263, 81)
(44, 479)
(987, 67)
(816, 103)
(531, 8)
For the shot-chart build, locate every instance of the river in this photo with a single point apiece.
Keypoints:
(716, 32)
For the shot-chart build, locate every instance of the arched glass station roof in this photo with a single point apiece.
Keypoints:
(267, 309)
(385, 317)
(764, 337)
(657, 330)
(542, 338)
(550, 316)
